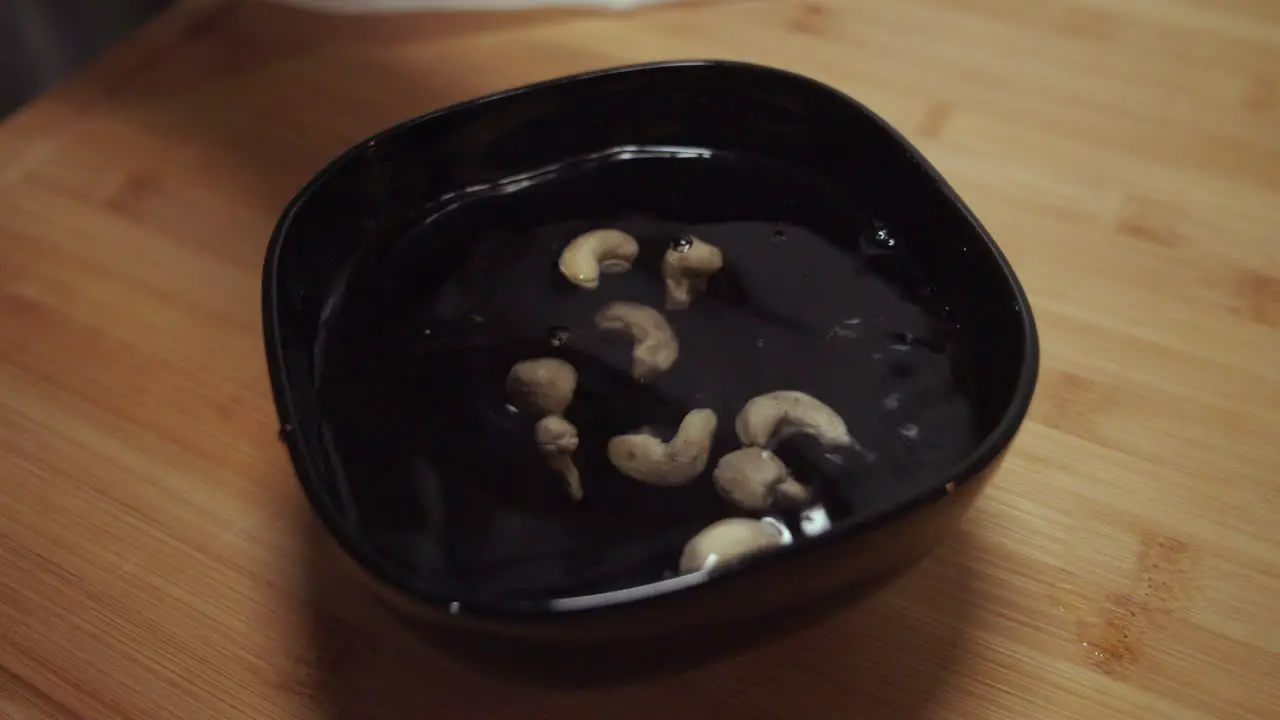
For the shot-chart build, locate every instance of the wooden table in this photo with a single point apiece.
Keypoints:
(157, 559)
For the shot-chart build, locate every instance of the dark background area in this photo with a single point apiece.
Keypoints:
(41, 41)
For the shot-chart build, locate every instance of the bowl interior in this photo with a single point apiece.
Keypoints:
(407, 278)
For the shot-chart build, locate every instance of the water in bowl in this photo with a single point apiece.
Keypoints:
(817, 294)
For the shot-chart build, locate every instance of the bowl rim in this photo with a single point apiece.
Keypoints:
(403, 583)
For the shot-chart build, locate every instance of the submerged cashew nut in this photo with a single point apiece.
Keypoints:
(544, 385)
(646, 458)
(656, 347)
(558, 439)
(776, 415)
(597, 251)
(730, 540)
(686, 267)
(754, 479)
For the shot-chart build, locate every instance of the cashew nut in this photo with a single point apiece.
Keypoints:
(730, 540)
(558, 439)
(754, 479)
(646, 458)
(773, 416)
(597, 251)
(542, 385)
(656, 347)
(686, 266)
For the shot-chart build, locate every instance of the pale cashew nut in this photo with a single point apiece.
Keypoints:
(656, 347)
(646, 458)
(754, 479)
(542, 385)
(558, 439)
(773, 416)
(591, 253)
(731, 540)
(686, 266)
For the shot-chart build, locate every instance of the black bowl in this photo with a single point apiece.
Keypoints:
(796, 154)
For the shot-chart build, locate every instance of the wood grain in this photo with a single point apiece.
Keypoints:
(157, 559)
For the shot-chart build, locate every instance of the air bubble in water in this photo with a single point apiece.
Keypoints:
(683, 243)
(877, 240)
(558, 335)
(902, 341)
(846, 329)
(906, 341)
(815, 521)
(862, 452)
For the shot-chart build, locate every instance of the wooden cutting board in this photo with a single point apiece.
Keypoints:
(157, 559)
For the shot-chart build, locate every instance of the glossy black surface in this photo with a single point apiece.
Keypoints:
(413, 271)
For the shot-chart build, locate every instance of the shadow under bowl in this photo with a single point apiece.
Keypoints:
(394, 436)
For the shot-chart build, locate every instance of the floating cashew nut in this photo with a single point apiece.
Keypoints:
(558, 439)
(597, 251)
(542, 385)
(656, 347)
(646, 458)
(731, 540)
(754, 478)
(545, 386)
(686, 266)
(773, 416)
